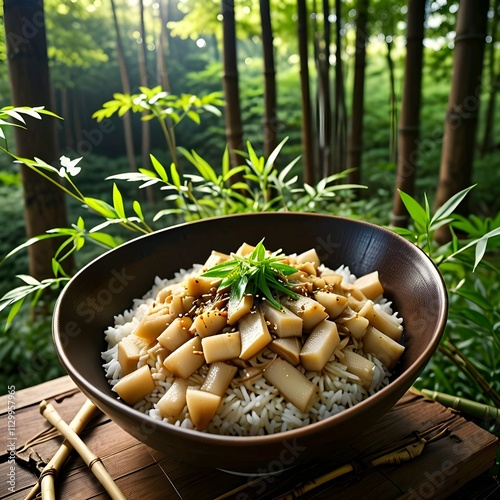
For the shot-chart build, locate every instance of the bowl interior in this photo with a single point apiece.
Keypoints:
(108, 285)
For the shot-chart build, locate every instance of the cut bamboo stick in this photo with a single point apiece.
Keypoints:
(472, 408)
(93, 462)
(51, 470)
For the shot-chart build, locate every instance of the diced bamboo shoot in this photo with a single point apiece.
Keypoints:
(382, 321)
(360, 366)
(176, 333)
(307, 267)
(319, 346)
(202, 406)
(173, 401)
(200, 285)
(292, 384)
(309, 256)
(218, 378)
(221, 347)
(387, 350)
(214, 259)
(284, 323)
(332, 302)
(355, 304)
(152, 325)
(134, 386)
(245, 249)
(310, 310)
(356, 326)
(186, 359)
(350, 289)
(176, 304)
(236, 312)
(254, 334)
(370, 285)
(209, 323)
(129, 352)
(288, 349)
(187, 303)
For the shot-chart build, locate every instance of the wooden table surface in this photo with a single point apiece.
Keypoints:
(142, 473)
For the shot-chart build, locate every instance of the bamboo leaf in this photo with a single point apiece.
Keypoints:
(118, 202)
(416, 211)
(159, 168)
(103, 238)
(449, 206)
(193, 115)
(175, 175)
(100, 206)
(480, 251)
(136, 207)
(29, 280)
(16, 306)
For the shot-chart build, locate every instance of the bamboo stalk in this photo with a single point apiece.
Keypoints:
(462, 362)
(51, 470)
(93, 462)
(472, 408)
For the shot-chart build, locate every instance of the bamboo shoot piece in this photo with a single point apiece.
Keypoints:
(288, 349)
(245, 249)
(310, 310)
(387, 350)
(350, 289)
(176, 304)
(319, 346)
(200, 285)
(186, 359)
(129, 352)
(370, 285)
(292, 384)
(202, 406)
(221, 347)
(357, 326)
(134, 386)
(152, 325)
(176, 334)
(254, 334)
(214, 259)
(235, 313)
(360, 366)
(382, 321)
(333, 303)
(218, 378)
(174, 400)
(309, 256)
(283, 323)
(209, 323)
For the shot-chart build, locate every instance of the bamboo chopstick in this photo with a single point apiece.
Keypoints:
(93, 461)
(51, 470)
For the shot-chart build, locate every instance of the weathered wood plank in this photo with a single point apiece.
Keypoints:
(146, 474)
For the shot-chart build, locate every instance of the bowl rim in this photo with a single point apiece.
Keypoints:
(313, 428)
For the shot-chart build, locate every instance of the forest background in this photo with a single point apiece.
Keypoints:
(408, 56)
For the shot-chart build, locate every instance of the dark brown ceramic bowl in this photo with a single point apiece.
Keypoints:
(108, 285)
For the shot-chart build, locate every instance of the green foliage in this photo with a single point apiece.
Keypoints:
(28, 357)
(252, 274)
(253, 187)
(468, 361)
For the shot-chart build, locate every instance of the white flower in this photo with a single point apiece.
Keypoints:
(69, 167)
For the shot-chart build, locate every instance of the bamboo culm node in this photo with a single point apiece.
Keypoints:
(92, 461)
(52, 469)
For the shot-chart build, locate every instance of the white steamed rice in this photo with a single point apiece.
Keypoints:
(255, 407)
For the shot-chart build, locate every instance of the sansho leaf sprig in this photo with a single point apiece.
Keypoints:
(254, 273)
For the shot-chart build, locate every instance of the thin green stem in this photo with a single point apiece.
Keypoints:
(167, 132)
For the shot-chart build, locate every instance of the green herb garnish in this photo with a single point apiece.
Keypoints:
(252, 274)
